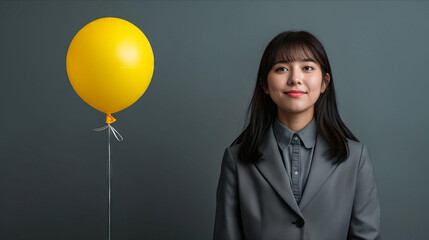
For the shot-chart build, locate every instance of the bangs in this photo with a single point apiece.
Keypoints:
(294, 51)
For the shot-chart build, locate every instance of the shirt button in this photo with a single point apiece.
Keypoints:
(296, 172)
(295, 138)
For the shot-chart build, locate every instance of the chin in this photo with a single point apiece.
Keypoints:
(295, 110)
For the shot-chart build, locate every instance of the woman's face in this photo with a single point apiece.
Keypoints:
(305, 76)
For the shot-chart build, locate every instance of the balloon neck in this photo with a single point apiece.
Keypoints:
(109, 118)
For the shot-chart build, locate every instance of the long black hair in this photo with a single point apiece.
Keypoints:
(263, 111)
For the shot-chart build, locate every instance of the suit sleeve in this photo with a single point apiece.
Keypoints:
(227, 220)
(365, 220)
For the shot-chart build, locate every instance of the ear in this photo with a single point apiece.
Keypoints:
(264, 88)
(325, 82)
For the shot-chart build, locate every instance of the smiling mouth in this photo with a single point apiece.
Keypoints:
(294, 94)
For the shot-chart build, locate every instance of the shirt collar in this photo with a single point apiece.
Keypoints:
(284, 135)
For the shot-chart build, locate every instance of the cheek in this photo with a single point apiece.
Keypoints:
(314, 96)
(314, 88)
(274, 84)
(315, 85)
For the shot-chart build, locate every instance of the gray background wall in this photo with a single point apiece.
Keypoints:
(53, 166)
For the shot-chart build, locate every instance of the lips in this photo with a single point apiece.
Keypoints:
(295, 93)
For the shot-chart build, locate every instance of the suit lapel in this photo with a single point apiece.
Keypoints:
(272, 168)
(320, 170)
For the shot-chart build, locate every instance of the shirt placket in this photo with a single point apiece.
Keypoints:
(296, 168)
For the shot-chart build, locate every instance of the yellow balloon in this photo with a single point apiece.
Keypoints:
(110, 64)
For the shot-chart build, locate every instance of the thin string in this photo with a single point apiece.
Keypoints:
(115, 133)
(110, 194)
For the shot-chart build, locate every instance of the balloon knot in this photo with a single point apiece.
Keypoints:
(109, 118)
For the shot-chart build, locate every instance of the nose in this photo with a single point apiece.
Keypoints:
(295, 77)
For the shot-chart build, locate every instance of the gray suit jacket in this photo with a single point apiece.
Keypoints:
(256, 202)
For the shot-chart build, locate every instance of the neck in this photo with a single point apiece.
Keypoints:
(295, 121)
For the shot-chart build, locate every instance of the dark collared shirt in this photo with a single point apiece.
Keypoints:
(297, 150)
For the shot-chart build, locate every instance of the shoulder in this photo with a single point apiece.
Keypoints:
(357, 150)
(355, 147)
(231, 152)
(229, 159)
(234, 149)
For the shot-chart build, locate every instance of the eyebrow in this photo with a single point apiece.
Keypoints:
(303, 60)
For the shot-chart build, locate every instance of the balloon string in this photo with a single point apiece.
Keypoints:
(110, 178)
(116, 133)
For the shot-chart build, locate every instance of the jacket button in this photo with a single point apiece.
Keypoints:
(299, 222)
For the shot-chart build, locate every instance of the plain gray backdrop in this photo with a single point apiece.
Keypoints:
(53, 166)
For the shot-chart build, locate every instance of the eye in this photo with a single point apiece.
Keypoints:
(307, 68)
(281, 69)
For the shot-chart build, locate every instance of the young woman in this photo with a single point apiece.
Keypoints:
(296, 171)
